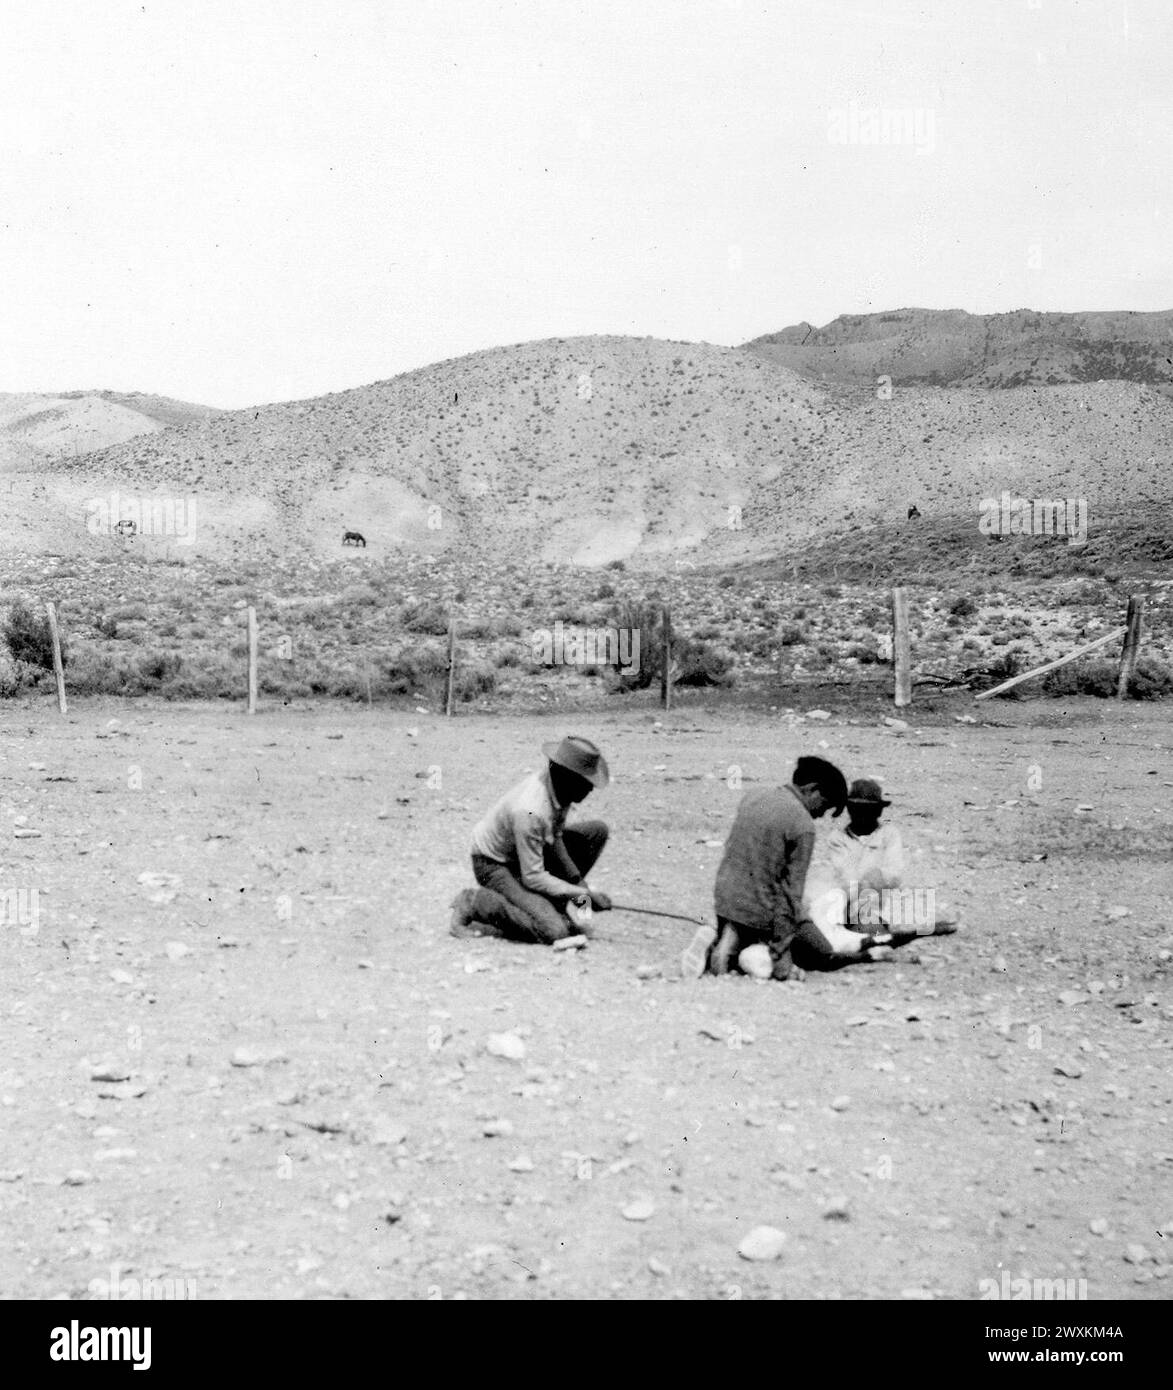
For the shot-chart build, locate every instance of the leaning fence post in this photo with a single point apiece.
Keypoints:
(901, 656)
(451, 665)
(1131, 650)
(58, 664)
(252, 660)
(666, 665)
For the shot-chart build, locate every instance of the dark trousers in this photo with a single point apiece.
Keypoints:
(806, 947)
(512, 910)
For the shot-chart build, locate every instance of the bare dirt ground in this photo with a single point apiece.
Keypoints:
(246, 921)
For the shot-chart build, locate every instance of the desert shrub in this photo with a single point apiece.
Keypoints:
(700, 664)
(360, 596)
(1098, 675)
(130, 613)
(726, 581)
(791, 634)
(616, 565)
(474, 678)
(28, 637)
(865, 654)
(605, 591)
(425, 616)
(963, 607)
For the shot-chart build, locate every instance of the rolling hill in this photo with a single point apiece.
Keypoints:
(585, 450)
(948, 347)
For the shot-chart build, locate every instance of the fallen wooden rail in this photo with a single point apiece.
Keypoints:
(1113, 636)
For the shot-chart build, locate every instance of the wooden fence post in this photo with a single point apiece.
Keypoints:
(451, 700)
(58, 665)
(901, 654)
(1131, 651)
(252, 660)
(666, 667)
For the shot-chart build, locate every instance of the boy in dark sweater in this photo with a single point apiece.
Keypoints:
(760, 881)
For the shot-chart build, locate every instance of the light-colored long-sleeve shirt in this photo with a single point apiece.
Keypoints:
(518, 830)
(871, 861)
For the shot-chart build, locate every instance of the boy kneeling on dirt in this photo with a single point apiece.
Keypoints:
(530, 866)
(760, 883)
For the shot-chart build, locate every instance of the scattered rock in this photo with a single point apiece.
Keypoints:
(1069, 1069)
(1114, 914)
(1000, 965)
(388, 1132)
(642, 1209)
(898, 724)
(840, 1102)
(647, 972)
(762, 1243)
(176, 950)
(76, 1177)
(658, 1267)
(818, 714)
(837, 1210)
(109, 1071)
(571, 943)
(1136, 1254)
(1098, 1227)
(521, 1164)
(507, 1045)
(1071, 997)
(497, 1129)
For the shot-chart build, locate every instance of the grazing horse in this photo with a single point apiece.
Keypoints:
(354, 538)
(913, 511)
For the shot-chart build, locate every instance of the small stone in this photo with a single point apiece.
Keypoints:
(837, 1210)
(647, 972)
(521, 1164)
(658, 1267)
(1098, 1227)
(762, 1243)
(497, 1129)
(388, 1132)
(122, 977)
(1071, 997)
(642, 1209)
(1069, 1069)
(1136, 1254)
(571, 943)
(109, 1072)
(176, 950)
(507, 1045)
(818, 714)
(246, 1057)
(999, 965)
(898, 724)
(76, 1177)
(1114, 914)
(840, 1102)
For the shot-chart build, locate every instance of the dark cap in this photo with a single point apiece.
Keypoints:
(866, 791)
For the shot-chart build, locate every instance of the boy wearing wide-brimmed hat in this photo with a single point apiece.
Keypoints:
(854, 893)
(528, 863)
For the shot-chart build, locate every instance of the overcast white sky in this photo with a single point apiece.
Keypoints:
(236, 201)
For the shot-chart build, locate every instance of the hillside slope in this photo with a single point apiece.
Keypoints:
(948, 347)
(78, 422)
(590, 449)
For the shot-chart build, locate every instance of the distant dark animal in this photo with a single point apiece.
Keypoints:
(354, 538)
(913, 512)
(126, 527)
